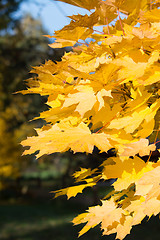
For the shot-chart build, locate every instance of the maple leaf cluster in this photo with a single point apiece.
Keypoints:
(105, 93)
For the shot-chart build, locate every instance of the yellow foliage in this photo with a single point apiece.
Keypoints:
(105, 93)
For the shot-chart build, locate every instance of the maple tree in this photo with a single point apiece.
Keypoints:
(105, 93)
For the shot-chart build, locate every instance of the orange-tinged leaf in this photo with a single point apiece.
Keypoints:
(82, 3)
(151, 16)
(73, 34)
(82, 21)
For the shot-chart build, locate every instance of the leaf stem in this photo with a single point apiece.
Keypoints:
(120, 21)
(98, 31)
(150, 7)
(109, 121)
(107, 26)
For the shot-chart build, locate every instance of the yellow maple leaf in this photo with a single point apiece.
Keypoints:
(128, 171)
(151, 78)
(124, 228)
(136, 207)
(148, 184)
(61, 43)
(81, 140)
(83, 173)
(72, 191)
(85, 98)
(105, 115)
(82, 3)
(104, 93)
(73, 35)
(152, 207)
(150, 16)
(106, 214)
(140, 147)
(131, 121)
(100, 95)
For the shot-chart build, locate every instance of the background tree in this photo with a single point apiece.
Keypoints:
(22, 45)
(20, 48)
(7, 9)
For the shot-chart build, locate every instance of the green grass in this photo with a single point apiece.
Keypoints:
(52, 221)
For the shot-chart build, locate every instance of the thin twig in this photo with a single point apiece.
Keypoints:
(98, 31)
(150, 7)
(110, 121)
(120, 21)
(107, 26)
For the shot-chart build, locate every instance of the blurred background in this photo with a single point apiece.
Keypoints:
(27, 208)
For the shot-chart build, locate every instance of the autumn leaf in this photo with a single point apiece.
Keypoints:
(85, 97)
(141, 147)
(104, 93)
(84, 4)
(81, 139)
(107, 214)
(83, 173)
(72, 191)
(148, 184)
(127, 171)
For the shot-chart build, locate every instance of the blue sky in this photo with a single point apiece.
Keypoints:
(52, 14)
